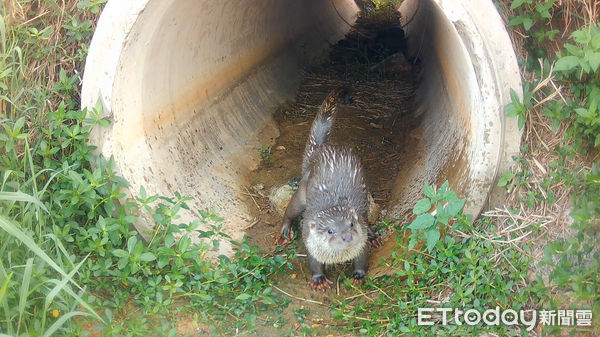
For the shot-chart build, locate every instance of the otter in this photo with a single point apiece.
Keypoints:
(333, 196)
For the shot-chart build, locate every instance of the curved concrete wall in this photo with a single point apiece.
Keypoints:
(190, 87)
(469, 67)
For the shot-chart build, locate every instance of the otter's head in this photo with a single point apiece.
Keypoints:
(335, 235)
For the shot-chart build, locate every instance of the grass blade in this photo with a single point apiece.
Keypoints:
(24, 291)
(20, 196)
(61, 248)
(3, 294)
(5, 286)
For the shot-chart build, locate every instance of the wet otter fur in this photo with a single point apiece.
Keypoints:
(333, 196)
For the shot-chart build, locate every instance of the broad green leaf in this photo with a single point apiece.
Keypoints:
(595, 40)
(243, 297)
(75, 177)
(506, 178)
(19, 125)
(449, 196)
(412, 242)
(267, 300)
(122, 263)
(581, 36)
(120, 253)
(163, 261)
(516, 4)
(422, 206)
(566, 63)
(521, 122)
(147, 257)
(573, 49)
(583, 112)
(527, 23)
(184, 244)
(594, 60)
(422, 221)
(442, 190)
(515, 21)
(433, 236)
(514, 97)
(429, 191)
(544, 9)
(131, 242)
(453, 208)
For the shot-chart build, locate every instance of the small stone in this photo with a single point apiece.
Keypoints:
(258, 187)
(376, 126)
(280, 148)
(280, 197)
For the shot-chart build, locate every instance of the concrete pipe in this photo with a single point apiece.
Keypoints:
(190, 87)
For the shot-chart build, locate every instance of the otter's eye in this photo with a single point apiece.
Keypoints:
(330, 231)
(351, 224)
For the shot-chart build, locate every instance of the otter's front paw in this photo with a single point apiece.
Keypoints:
(285, 237)
(319, 282)
(358, 277)
(374, 239)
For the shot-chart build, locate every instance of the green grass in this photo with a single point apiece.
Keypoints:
(70, 258)
(566, 94)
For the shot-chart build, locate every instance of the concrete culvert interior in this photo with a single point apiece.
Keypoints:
(195, 88)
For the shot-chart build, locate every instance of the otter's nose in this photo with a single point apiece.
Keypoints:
(347, 237)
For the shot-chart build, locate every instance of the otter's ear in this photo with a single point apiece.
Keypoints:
(354, 214)
(312, 225)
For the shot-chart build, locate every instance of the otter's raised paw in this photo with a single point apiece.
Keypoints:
(375, 241)
(284, 239)
(319, 283)
(358, 277)
(374, 238)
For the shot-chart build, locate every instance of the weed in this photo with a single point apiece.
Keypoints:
(567, 92)
(426, 225)
(379, 4)
(92, 5)
(534, 17)
(517, 108)
(578, 66)
(265, 154)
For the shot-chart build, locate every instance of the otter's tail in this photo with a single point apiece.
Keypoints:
(321, 126)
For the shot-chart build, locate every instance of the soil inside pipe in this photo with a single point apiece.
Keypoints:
(378, 121)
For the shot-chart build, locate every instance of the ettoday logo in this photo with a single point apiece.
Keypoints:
(528, 318)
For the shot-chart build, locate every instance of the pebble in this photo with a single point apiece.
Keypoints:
(280, 197)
